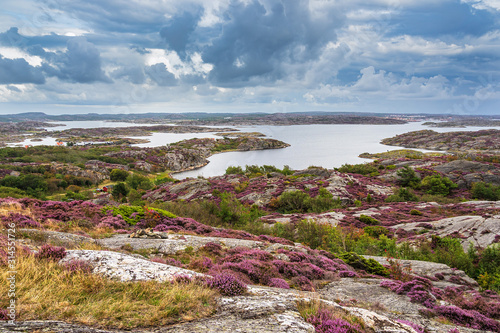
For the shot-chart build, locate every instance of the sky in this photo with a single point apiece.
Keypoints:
(132, 56)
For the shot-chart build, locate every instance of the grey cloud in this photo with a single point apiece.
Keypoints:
(256, 42)
(14, 71)
(80, 63)
(159, 74)
(133, 74)
(177, 33)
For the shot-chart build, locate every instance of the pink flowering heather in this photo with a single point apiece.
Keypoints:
(51, 252)
(302, 283)
(324, 322)
(227, 284)
(278, 283)
(349, 274)
(76, 265)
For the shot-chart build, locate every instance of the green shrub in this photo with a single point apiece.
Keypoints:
(294, 202)
(163, 180)
(416, 212)
(118, 175)
(136, 181)
(6, 192)
(323, 202)
(119, 191)
(485, 191)
(408, 177)
(369, 265)
(437, 184)
(376, 231)
(362, 169)
(234, 170)
(368, 220)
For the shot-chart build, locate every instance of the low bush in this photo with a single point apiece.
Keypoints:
(438, 184)
(484, 191)
(362, 169)
(368, 220)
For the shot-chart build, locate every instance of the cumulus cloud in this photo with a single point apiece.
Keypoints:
(256, 41)
(160, 75)
(80, 63)
(19, 71)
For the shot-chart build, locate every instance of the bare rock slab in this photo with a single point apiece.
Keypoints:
(125, 267)
(481, 231)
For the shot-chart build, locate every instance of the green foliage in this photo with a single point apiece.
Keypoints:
(118, 175)
(300, 202)
(232, 212)
(162, 180)
(70, 196)
(362, 169)
(6, 192)
(119, 191)
(133, 214)
(369, 265)
(324, 202)
(416, 212)
(408, 177)
(376, 231)
(34, 185)
(402, 195)
(137, 181)
(437, 184)
(135, 198)
(294, 202)
(234, 170)
(255, 170)
(483, 191)
(368, 220)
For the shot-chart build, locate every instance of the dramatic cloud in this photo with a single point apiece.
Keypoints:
(252, 55)
(19, 71)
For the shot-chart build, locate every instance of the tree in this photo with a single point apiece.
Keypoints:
(136, 181)
(119, 191)
(408, 177)
(118, 175)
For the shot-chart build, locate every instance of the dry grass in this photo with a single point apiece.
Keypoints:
(46, 291)
(7, 208)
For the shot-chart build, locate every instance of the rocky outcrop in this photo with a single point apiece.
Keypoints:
(57, 238)
(95, 175)
(426, 268)
(466, 173)
(367, 293)
(125, 267)
(478, 230)
(175, 243)
(331, 218)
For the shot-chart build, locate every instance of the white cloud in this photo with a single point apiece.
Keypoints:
(14, 53)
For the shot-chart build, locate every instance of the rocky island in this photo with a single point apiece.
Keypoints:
(487, 141)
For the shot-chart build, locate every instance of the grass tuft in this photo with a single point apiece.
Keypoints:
(48, 291)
